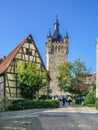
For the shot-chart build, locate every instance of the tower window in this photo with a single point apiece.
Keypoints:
(59, 49)
(56, 49)
(53, 49)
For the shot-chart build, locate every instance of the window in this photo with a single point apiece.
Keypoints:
(56, 49)
(29, 40)
(28, 52)
(59, 49)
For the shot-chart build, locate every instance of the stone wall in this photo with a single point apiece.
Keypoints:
(55, 60)
(4, 104)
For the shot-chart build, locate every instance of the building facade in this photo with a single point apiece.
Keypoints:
(27, 52)
(56, 54)
(97, 69)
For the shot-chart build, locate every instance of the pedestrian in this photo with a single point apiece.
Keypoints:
(55, 97)
(63, 100)
(69, 100)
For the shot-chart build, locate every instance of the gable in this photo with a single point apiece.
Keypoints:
(29, 53)
(26, 51)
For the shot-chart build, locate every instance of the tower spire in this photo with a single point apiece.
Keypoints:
(49, 33)
(56, 25)
(97, 40)
(66, 35)
(56, 36)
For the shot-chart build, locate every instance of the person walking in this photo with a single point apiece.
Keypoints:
(63, 100)
(69, 100)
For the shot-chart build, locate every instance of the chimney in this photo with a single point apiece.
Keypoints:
(1, 60)
(4, 57)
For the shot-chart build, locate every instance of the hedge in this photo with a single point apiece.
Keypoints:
(96, 104)
(33, 104)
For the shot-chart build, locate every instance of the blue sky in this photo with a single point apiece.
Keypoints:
(19, 18)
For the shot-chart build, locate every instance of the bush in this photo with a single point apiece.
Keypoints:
(96, 104)
(90, 99)
(33, 104)
(44, 97)
(90, 105)
(51, 103)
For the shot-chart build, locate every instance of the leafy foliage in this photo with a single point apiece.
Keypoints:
(30, 79)
(80, 71)
(90, 99)
(65, 77)
(44, 97)
(72, 76)
(96, 104)
(33, 104)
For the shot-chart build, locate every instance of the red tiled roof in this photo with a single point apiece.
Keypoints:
(91, 76)
(6, 62)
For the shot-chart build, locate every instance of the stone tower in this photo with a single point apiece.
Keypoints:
(56, 54)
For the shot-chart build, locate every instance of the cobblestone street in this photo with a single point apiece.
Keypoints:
(70, 118)
(66, 118)
(26, 123)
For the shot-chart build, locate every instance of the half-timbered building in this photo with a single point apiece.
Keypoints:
(26, 51)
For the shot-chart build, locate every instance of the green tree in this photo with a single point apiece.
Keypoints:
(65, 76)
(80, 73)
(30, 79)
(72, 77)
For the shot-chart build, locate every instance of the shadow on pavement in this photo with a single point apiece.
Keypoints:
(25, 123)
(65, 118)
(69, 121)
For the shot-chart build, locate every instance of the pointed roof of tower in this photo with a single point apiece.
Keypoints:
(56, 36)
(49, 33)
(6, 62)
(56, 22)
(66, 35)
(97, 42)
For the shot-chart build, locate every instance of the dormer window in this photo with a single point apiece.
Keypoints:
(28, 52)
